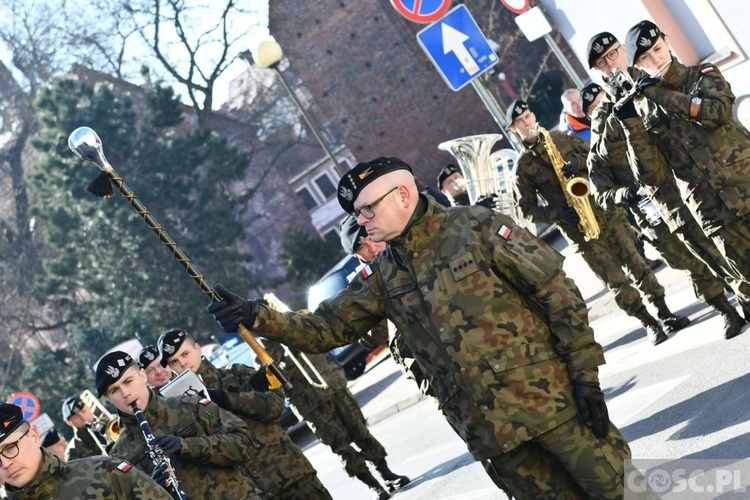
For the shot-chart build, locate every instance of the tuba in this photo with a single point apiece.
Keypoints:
(576, 189)
(105, 428)
(486, 173)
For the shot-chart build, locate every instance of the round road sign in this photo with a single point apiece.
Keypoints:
(422, 11)
(28, 402)
(516, 6)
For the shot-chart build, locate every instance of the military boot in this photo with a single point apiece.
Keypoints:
(652, 326)
(671, 321)
(374, 485)
(392, 480)
(733, 322)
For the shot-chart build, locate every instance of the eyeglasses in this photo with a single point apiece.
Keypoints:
(611, 55)
(367, 211)
(11, 449)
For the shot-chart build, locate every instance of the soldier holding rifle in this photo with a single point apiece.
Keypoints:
(488, 312)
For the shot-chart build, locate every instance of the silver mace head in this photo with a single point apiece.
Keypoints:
(85, 143)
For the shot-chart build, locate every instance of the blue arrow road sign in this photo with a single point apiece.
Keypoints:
(457, 47)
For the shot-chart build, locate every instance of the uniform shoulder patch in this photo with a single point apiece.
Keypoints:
(707, 69)
(366, 271)
(504, 232)
(124, 466)
(204, 401)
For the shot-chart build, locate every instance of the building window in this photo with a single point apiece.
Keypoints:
(307, 198)
(326, 186)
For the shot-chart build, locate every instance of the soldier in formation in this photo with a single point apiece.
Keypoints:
(78, 415)
(621, 139)
(157, 375)
(490, 316)
(208, 447)
(278, 466)
(332, 413)
(55, 443)
(614, 249)
(29, 471)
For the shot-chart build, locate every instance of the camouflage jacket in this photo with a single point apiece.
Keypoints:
(91, 478)
(215, 446)
(537, 180)
(485, 309)
(304, 396)
(82, 445)
(710, 158)
(614, 165)
(274, 460)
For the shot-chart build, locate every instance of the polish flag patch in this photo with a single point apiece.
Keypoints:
(707, 70)
(204, 401)
(366, 272)
(124, 466)
(504, 232)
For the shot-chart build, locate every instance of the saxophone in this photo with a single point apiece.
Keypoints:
(576, 189)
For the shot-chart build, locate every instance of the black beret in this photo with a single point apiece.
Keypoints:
(588, 95)
(11, 417)
(355, 180)
(147, 356)
(50, 438)
(599, 45)
(516, 109)
(446, 172)
(640, 39)
(71, 406)
(110, 369)
(352, 234)
(170, 342)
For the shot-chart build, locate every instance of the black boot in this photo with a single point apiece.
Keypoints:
(733, 322)
(392, 481)
(671, 321)
(652, 326)
(374, 485)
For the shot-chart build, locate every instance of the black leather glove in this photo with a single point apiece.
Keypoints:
(570, 216)
(488, 201)
(161, 475)
(220, 397)
(571, 168)
(626, 110)
(169, 443)
(591, 406)
(645, 81)
(233, 310)
(259, 380)
(631, 196)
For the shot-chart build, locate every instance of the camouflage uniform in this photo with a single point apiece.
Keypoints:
(616, 246)
(215, 446)
(500, 331)
(710, 158)
(278, 466)
(332, 413)
(82, 445)
(94, 478)
(611, 176)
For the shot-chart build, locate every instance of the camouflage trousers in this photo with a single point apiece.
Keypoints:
(733, 242)
(338, 422)
(307, 487)
(706, 284)
(567, 462)
(614, 253)
(708, 251)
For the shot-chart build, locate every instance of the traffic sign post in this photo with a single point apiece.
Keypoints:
(28, 403)
(457, 47)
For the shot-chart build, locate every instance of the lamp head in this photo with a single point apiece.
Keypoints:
(268, 54)
(85, 143)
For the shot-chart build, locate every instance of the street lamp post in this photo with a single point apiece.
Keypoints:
(268, 55)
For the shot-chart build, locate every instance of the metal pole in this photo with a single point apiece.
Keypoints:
(563, 60)
(309, 122)
(493, 107)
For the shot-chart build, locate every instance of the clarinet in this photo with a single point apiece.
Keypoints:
(158, 457)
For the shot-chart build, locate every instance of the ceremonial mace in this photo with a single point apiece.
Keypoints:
(85, 143)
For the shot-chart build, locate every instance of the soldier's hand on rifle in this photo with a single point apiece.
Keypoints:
(233, 310)
(220, 397)
(169, 443)
(570, 216)
(571, 168)
(161, 475)
(645, 81)
(591, 406)
(631, 196)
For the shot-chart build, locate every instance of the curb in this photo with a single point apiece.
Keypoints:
(391, 410)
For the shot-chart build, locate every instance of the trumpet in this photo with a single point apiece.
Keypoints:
(623, 81)
(318, 381)
(105, 428)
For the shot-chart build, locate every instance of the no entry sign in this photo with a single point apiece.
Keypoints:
(421, 11)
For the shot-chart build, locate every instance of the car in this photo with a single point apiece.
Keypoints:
(352, 357)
